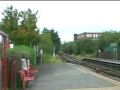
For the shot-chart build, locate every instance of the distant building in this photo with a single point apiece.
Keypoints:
(87, 35)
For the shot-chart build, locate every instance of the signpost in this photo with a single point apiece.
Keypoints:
(114, 46)
(115, 49)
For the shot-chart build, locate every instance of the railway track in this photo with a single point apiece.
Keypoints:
(100, 66)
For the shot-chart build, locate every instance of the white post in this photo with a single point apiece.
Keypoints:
(41, 52)
(113, 54)
(35, 53)
(99, 53)
(116, 53)
(54, 51)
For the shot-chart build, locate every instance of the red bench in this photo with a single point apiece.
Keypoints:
(32, 70)
(26, 77)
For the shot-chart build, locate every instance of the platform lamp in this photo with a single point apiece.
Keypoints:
(99, 53)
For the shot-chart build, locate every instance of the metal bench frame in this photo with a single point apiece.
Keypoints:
(26, 77)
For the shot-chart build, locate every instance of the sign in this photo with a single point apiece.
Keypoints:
(41, 51)
(113, 45)
(11, 46)
(24, 64)
(1, 39)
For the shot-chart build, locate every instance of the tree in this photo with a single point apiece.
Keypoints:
(76, 47)
(54, 38)
(24, 37)
(67, 47)
(46, 43)
(10, 21)
(107, 38)
(20, 26)
(29, 20)
(79, 46)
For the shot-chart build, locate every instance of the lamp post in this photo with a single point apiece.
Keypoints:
(99, 52)
(41, 52)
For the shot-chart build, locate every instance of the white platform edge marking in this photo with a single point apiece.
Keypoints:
(98, 75)
(103, 88)
(79, 69)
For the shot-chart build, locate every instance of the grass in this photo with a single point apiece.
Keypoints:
(81, 56)
(55, 60)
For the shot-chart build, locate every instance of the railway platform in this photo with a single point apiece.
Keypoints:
(106, 60)
(68, 76)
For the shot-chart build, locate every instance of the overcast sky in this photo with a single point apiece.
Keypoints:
(69, 17)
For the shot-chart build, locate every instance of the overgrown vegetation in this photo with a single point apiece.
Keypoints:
(20, 26)
(22, 30)
(48, 41)
(79, 47)
(23, 52)
(88, 46)
(108, 38)
(52, 59)
(24, 34)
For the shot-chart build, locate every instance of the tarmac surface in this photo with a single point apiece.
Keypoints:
(67, 76)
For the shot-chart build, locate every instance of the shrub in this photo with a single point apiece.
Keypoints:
(46, 57)
(23, 51)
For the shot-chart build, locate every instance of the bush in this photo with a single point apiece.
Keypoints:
(46, 57)
(23, 51)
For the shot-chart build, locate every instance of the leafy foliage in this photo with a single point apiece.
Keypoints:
(78, 47)
(68, 47)
(54, 38)
(49, 39)
(107, 38)
(20, 26)
(29, 20)
(24, 37)
(24, 52)
(46, 43)
(91, 46)
(10, 21)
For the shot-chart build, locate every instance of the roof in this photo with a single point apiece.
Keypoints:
(3, 33)
(90, 33)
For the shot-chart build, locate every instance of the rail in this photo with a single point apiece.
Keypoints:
(109, 67)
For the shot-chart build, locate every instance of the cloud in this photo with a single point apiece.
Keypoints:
(69, 17)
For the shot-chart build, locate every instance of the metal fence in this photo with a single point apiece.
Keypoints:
(109, 55)
(10, 77)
